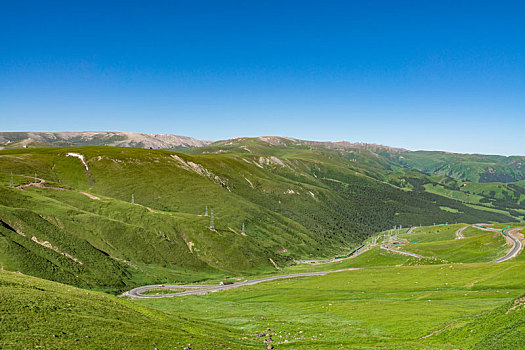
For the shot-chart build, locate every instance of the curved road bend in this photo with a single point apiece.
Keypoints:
(331, 260)
(516, 248)
(482, 228)
(410, 230)
(203, 289)
(459, 233)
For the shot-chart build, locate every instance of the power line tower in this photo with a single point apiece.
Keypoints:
(243, 228)
(211, 221)
(132, 198)
(12, 183)
(35, 176)
(206, 211)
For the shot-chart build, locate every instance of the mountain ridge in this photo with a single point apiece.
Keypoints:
(468, 167)
(97, 138)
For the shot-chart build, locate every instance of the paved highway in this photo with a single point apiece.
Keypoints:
(331, 260)
(516, 248)
(459, 233)
(410, 230)
(516, 243)
(203, 289)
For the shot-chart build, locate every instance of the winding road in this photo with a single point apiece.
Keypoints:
(516, 243)
(459, 233)
(331, 260)
(203, 289)
(516, 248)
(410, 230)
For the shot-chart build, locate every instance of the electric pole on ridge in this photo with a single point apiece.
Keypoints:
(211, 221)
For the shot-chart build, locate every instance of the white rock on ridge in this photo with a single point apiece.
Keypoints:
(79, 156)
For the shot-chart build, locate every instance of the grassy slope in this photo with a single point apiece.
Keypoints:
(43, 314)
(439, 242)
(103, 235)
(433, 233)
(382, 305)
(389, 307)
(336, 202)
(493, 196)
(470, 167)
(503, 328)
(481, 248)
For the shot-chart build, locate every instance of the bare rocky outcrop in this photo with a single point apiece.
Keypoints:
(188, 243)
(199, 169)
(79, 156)
(50, 246)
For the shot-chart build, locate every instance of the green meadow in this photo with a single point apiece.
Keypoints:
(71, 245)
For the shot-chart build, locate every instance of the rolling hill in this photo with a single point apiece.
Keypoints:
(468, 167)
(100, 220)
(295, 200)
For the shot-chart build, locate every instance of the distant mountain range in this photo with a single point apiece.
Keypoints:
(116, 217)
(9, 140)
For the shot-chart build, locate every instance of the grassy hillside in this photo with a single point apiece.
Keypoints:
(388, 303)
(35, 313)
(470, 167)
(388, 307)
(502, 328)
(295, 201)
(419, 171)
(480, 248)
(433, 233)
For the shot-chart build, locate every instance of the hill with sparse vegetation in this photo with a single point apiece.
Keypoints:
(86, 221)
(295, 199)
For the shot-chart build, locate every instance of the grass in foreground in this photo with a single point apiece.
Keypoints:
(390, 307)
(35, 313)
(381, 305)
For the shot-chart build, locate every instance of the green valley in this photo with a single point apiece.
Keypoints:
(80, 225)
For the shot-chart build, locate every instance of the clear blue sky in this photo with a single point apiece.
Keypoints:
(437, 75)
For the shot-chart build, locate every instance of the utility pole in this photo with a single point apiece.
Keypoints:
(35, 176)
(12, 184)
(132, 198)
(211, 221)
(206, 211)
(242, 228)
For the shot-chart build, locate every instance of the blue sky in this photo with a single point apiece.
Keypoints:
(436, 75)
